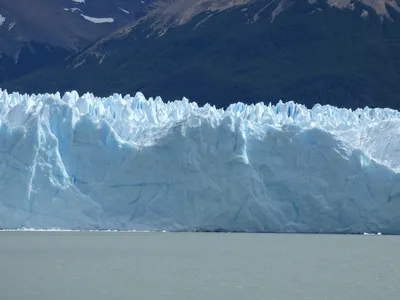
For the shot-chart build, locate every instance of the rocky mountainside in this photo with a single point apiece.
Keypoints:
(35, 33)
(345, 53)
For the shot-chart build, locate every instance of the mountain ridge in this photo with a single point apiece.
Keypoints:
(62, 26)
(310, 53)
(62, 23)
(165, 15)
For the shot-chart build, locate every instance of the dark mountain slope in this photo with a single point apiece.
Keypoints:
(30, 58)
(45, 31)
(310, 53)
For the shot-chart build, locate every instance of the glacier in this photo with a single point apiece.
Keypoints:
(131, 163)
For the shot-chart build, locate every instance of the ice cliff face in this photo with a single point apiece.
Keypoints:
(131, 163)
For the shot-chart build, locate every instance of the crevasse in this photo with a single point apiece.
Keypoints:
(82, 162)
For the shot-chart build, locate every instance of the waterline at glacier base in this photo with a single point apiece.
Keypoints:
(127, 163)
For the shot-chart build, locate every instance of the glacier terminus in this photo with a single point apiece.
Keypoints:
(131, 163)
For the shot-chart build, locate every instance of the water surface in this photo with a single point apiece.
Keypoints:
(171, 266)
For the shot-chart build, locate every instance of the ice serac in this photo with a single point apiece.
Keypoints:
(81, 162)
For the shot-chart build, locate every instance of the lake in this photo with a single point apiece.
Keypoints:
(126, 265)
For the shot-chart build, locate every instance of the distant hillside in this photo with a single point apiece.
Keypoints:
(260, 50)
(36, 33)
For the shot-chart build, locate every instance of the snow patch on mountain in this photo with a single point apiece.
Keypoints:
(73, 9)
(2, 20)
(123, 10)
(82, 162)
(98, 20)
(11, 26)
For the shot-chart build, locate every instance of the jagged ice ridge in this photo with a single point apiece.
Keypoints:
(82, 162)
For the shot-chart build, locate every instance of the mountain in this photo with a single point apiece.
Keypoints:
(81, 162)
(345, 53)
(36, 33)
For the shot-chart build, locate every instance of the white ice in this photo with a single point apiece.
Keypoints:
(82, 162)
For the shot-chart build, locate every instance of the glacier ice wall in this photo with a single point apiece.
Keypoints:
(81, 162)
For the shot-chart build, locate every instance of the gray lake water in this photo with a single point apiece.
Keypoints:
(106, 266)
